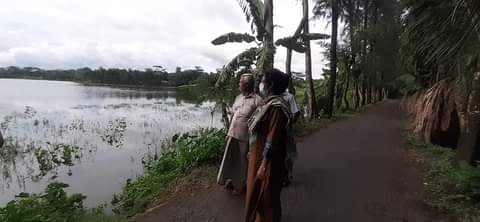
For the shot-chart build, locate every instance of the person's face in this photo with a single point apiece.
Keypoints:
(266, 86)
(243, 85)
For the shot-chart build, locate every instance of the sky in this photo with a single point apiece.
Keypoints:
(138, 34)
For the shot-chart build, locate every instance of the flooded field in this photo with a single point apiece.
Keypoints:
(92, 138)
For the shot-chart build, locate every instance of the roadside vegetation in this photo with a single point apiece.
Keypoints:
(181, 155)
(53, 205)
(453, 187)
(424, 50)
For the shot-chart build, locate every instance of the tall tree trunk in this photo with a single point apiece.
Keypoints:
(363, 99)
(288, 65)
(268, 39)
(333, 60)
(288, 70)
(364, 54)
(350, 64)
(225, 116)
(469, 113)
(369, 93)
(357, 94)
(312, 102)
(345, 93)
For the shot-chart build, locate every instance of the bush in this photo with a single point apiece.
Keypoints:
(181, 154)
(52, 206)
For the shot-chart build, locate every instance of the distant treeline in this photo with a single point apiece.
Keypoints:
(147, 77)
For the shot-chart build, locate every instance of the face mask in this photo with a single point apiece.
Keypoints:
(263, 92)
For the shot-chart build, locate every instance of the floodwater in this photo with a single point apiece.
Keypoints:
(90, 137)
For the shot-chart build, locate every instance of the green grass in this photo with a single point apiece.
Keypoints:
(454, 186)
(182, 155)
(53, 205)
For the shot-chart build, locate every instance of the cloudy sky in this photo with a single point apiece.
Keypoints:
(136, 34)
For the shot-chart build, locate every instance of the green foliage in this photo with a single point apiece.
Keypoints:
(243, 60)
(181, 155)
(441, 35)
(148, 77)
(291, 43)
(455, 186)
(254, 10)
(233, 37)
(54, 205)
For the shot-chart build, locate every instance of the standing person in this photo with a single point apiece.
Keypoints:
(233, 170)
(266, 166)
(292, 152)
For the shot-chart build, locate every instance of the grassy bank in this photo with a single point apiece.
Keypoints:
(53, 205)
(198, 153)
(188, 161)
(182, 154)
(453, 187)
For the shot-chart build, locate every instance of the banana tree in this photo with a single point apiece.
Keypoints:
(298, 43)
(256, 59)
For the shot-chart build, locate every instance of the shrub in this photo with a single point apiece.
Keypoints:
(181, 154)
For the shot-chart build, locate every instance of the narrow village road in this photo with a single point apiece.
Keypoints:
(353, 170)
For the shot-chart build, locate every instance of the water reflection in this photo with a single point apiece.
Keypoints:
(90, 137)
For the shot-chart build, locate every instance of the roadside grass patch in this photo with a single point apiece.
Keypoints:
(454, 187)
(182, 154)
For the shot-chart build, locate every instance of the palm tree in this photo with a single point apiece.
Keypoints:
(312, 102)
(330, 8)
(448, 32)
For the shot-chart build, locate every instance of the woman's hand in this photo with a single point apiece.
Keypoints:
(262, 170)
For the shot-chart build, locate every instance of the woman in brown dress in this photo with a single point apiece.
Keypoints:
(266, 166)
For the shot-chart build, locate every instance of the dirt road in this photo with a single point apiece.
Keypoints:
(354, 170)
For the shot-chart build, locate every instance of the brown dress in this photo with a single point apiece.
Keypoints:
(263, 196)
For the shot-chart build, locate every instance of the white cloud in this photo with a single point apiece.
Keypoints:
(134, 34)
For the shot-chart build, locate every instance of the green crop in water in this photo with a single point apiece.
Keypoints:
(181, 154)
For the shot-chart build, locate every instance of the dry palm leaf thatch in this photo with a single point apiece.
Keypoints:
(432, 109)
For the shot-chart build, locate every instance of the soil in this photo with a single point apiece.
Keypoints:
(356, 169)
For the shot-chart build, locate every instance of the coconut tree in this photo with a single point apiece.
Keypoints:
(448, 32)
(330, 9)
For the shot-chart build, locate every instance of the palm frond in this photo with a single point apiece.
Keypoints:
(291, 43)
(315, 36)
(246, 59)
(264, 59)
(254, 12)
(233, 37)
(441, 30)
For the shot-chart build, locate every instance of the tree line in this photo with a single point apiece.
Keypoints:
(425, 50)
(156, 76)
